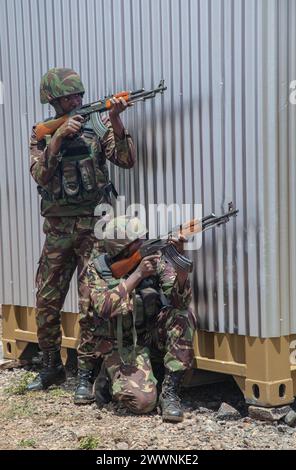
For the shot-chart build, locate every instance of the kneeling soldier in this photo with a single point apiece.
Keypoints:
(139, 318)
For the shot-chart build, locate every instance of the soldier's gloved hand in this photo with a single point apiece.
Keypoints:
(148, 266)
(70, 127)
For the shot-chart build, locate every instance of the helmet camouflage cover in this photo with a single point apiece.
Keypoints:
(120, 232)
(58, 82)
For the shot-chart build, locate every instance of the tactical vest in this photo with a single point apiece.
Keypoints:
(80, 182)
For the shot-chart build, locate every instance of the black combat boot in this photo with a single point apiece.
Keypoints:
(169, 400)
(84, 391)
(102, 387)
(52, 373)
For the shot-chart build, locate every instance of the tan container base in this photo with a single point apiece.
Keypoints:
(260, 367)
(198, 377)
(19, 330)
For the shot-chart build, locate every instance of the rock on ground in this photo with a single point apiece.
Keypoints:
(268, 414)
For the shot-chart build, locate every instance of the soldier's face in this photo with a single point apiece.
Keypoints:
(70, 102)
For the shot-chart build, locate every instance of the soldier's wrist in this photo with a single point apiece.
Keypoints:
(54, 156)
(118, 127)
(182, 280)
(54, 149)
(136, 276)
(56, 140)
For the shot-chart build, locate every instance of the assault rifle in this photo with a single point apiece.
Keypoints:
(92, 111)
(121, 266)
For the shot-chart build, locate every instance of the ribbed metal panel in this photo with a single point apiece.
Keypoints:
(224, 131)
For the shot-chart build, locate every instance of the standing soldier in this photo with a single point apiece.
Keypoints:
(141, 318)
(72, 176)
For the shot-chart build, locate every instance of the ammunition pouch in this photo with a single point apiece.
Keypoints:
(149, 301)
(76, 182)
(81, 180)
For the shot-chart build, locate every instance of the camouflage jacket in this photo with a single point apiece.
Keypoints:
(45, 170)
(100, 300)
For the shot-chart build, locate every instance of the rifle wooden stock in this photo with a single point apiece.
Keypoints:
(49, 127)
(124, 266)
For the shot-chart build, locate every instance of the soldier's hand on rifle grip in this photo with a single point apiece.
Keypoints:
(148, 266)
(70, 127)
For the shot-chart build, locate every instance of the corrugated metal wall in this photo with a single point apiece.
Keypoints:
(224, 131)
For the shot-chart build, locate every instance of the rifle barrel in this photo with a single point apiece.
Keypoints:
(212, 220)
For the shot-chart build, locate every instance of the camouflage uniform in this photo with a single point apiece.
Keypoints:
(167, 334)
(70, 188)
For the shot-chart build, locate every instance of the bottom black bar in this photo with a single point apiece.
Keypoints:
(130, 459)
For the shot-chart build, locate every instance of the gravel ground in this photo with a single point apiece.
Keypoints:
(50, 420)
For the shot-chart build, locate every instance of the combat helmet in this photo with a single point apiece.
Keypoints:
(120, 232)
(58, 82)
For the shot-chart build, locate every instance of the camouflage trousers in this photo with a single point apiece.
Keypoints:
(68, 245)
(131, 377)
